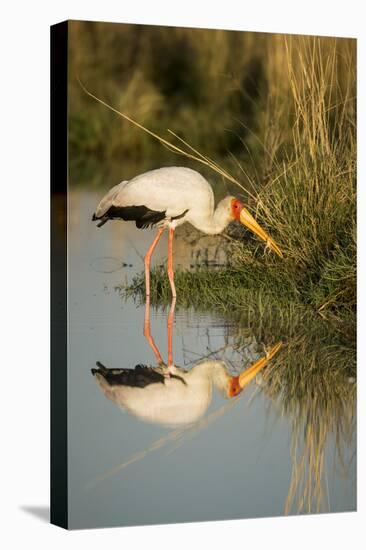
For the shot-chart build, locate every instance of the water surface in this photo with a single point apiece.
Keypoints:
(235, 462)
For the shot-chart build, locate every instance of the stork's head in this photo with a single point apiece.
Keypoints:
(231, 386)
(241, 214)
(236, 384)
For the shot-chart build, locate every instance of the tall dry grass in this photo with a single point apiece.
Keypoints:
(314, 203)
(309, 198)
(276, 113)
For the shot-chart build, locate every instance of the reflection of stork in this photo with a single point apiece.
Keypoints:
(168, 197)
(171, 395)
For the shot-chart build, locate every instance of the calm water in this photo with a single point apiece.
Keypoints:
(235, 462)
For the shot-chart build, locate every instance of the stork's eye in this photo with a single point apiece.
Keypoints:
(236, 207)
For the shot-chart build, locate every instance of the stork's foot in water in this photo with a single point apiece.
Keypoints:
(171, 374)
(168, 371)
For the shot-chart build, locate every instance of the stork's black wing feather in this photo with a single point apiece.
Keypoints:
(139, 377)
(141, 215)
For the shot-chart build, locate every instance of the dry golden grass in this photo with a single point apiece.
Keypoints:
(298, 165)
(275, 117)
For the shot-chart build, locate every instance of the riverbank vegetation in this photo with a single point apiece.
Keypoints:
(307, 201)
(276, 112)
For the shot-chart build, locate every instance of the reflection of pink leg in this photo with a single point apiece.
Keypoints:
(170, 261)
(147, 260)
(147, 332)
(170, 333)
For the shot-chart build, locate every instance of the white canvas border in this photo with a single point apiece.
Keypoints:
(25, 286)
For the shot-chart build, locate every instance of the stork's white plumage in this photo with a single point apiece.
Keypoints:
(168, 197)
(180, 399)
(167, 394)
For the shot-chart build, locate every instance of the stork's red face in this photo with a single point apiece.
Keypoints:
(241, 214)
(236, 207)
(236, 384)
(234, 387)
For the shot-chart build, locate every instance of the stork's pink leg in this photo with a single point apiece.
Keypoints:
(170, 261)
(170, 333)
(147, 332)
(147, 261)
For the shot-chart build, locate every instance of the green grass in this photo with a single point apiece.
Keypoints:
(311, 381)
(278, 112)
(266, 288)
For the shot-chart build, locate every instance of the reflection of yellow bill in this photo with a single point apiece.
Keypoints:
(247, 219)
(250, 373)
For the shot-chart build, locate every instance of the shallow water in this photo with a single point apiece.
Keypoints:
(235, 462)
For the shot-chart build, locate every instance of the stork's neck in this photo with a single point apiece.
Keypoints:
(215, 221)
(220, 376)
(216, 371)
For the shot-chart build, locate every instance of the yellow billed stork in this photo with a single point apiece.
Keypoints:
(179, 399)
(168, 394)
(168, 197)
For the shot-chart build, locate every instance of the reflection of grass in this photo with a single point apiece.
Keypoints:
(312, 379)
(314, 384)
